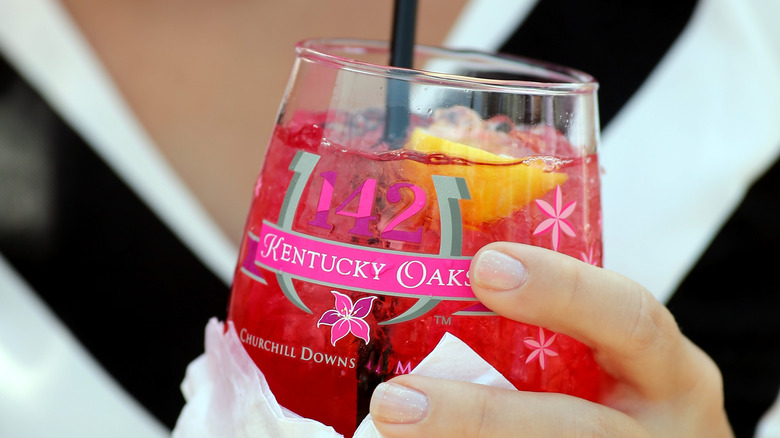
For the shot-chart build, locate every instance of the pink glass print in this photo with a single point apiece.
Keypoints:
(323, 206)
(362, 216)
(354, 267)
(347, 318)
(588, 257)
(556, 222)
(541, 348)
(258, 185)
(366, 193)
(394, 196)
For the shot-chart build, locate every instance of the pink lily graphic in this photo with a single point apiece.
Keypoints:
(347, 318)
(541, 347)
(557, 218)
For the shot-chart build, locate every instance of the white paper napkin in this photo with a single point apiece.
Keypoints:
(227, 395)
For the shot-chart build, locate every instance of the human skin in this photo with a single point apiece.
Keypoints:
(205, 77)
(666, 386)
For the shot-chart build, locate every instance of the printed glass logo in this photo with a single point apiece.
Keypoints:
(430, 278)
(347, 318)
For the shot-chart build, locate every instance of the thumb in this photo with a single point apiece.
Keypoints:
(413, 406)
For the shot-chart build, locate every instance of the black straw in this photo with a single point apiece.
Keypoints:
(404, 27)
(401, 55)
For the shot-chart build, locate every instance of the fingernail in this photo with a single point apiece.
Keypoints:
(393, 403)
(496, 270)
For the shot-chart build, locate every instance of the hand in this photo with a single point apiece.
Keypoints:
(666, 386)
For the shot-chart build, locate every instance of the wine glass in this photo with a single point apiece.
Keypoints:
(378, 186)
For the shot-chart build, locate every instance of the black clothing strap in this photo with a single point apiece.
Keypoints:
(124, 285)
(619, 43)
(729, 304)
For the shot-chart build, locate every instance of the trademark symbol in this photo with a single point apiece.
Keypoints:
(443, 320)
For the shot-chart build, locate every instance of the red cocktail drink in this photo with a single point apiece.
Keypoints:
(356, 253)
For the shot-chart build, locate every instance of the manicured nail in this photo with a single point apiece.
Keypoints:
(496, 270)
(393, 403)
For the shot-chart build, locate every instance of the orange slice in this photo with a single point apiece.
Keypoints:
(498, 185)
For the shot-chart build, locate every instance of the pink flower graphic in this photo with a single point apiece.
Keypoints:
(557, 218)
(588, 257)
(347, 318)
(541, 347)
(258, 185)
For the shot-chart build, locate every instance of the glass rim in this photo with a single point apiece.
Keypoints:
(561, 79)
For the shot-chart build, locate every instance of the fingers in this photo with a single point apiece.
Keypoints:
(633, 336)
(414, 406)
(666, 385)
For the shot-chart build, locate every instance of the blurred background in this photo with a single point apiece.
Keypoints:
(132, 131)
